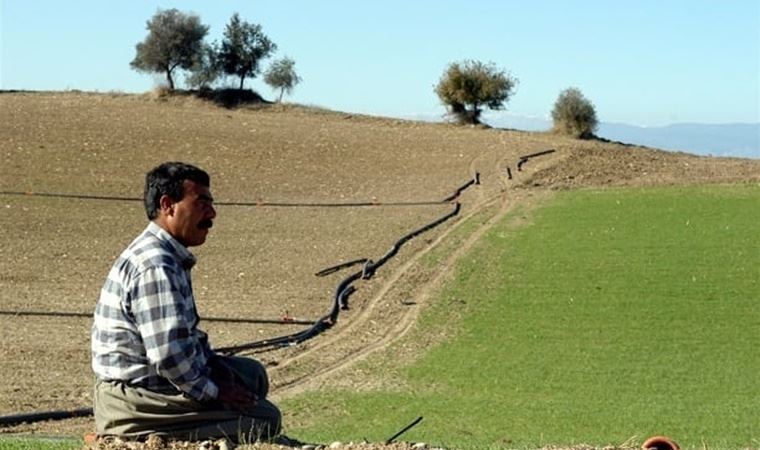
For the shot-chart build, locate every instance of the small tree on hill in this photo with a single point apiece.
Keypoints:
(575, 115)
(175, 39)
(282, 75)
(243, 47)
(469, 86)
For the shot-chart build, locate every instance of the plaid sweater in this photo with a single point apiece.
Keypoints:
(145, 330)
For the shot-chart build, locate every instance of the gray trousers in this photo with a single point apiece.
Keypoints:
(135, 412)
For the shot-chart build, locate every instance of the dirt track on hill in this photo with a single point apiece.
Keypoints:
(259, 262)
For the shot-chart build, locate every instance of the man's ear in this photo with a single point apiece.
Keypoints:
(166, 204)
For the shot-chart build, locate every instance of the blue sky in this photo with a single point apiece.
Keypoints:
(648, 62)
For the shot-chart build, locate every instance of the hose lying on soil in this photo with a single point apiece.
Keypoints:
(340, 300)
(343, 290)
(227, 203)
(17, 419)
(523, 159)
(287, 321)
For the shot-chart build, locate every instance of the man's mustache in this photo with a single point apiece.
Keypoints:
(206, 224)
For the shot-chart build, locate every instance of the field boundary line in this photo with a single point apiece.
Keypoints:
(404, 323)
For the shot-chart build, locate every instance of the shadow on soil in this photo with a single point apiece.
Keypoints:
(231, 98)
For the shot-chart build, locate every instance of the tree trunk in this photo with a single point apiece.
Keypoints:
(169, 79)
(475, 114)
(242, 79)
(282, 91)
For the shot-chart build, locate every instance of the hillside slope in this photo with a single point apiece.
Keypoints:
(260, 259)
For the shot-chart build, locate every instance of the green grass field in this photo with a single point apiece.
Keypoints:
(17, 443)
(598, 317)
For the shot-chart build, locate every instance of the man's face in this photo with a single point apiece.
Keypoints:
(189, 219)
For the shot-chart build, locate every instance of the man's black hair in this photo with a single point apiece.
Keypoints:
(167, 179)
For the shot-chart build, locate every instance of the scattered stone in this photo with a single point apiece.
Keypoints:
(224, 444)
(336, 444)
(154, 442)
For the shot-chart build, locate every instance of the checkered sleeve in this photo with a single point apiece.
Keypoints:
(165, 320)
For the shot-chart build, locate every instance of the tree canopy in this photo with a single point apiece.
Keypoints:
(206, 69)
(243, 47)
(466, 87)
(282, 75)
(175, 39)
(574, 114)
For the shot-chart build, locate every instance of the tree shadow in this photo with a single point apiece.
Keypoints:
(231, 98)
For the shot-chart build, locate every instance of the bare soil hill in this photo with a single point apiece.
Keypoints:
(290, 166)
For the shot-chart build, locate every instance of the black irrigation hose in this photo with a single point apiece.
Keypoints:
(232, 203)
(46, 314)
(342, 292)
(373, 266)
(205, 319)
(345, 289)
(286, 321)
(523, 159)
(541, 153)
(327, 205)
(457, 193)
(316, 328)
(404, 430)
(338, 267)
(475, 180)
(16, 419)
(76, 196)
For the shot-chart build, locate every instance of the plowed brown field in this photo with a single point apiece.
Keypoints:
(259, 261)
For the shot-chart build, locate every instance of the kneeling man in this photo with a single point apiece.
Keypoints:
(155, 370)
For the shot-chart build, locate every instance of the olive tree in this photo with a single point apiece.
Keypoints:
(206, 69)
(466, 87)
(574, 114)
(243, 47)
(282, 75)
(175, 39)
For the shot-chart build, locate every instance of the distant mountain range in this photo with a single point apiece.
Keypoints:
(736, 140)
